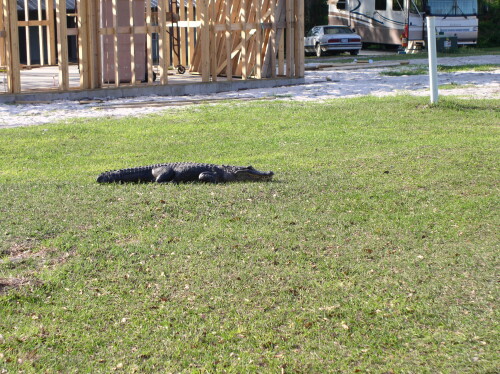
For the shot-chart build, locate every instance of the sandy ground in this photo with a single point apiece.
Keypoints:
(320, 85)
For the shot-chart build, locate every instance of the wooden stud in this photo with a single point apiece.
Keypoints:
(204, 40)
(27, 30)
(258, 39)
(174, 32)
(3, 36)
(213, 41)
(191, 30)
(163, 42)
(299, 38)
(51, 33)
(229, 40)
(289, 38)
(94, 44)
(62, 44)
(83, 47)
(243, 20)
(183, 34)
(12, 46)
(41, 48)
(281, 54)
(273, 39)
(132, 42)
(149, 43)
(114, 9)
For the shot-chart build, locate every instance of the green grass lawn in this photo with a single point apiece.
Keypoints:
(424, 70)
(375, 248)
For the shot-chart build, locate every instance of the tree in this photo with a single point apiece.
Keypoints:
(315, 13)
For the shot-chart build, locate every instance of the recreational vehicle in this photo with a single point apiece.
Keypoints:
(398, 22)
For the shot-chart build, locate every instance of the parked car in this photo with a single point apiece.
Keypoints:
(323, 39)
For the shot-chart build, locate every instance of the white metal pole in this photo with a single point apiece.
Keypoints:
(431, 50)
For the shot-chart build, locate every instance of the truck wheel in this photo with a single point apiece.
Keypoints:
(355, 52)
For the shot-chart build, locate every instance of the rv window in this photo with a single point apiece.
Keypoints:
(380, 4)
(341, 4)
(398, 5)
(452, 7)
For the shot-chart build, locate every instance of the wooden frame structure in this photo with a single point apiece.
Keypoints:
(233, 39)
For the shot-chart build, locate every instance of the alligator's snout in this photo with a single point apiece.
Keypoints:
(252, 174)
(106, 177)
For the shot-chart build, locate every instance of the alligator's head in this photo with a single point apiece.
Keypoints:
(248, 173)
(107, 177)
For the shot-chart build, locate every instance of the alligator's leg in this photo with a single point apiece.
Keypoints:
(209, 176)
(163, 174)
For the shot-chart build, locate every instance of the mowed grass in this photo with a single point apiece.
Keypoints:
(375, 248)
(422, 69)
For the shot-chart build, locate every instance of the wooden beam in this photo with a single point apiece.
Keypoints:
(51, 33)
(41, 48)
(163, 41)
(289, 38)
(258, 40)
(94, 43)
(62, 45)
(3, 35)
(299, 38)
(191, 30)
(244, 62)
(229, 40)
(27, 30)
(213, 41)
(114, 9)
(273, 39)
(149, 43)
(132, 42)
(204, 39)
(12, 46)
(183, 34)
(83, 46)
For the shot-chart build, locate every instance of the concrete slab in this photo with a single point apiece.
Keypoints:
(41, 85)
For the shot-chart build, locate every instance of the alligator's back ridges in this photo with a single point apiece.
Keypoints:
(151, 167)
(184, 172)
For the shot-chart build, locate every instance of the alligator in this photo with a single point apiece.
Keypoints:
(176, 172)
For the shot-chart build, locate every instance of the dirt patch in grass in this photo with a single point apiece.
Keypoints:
(14, 283)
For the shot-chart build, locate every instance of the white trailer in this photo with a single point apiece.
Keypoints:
(398, 22)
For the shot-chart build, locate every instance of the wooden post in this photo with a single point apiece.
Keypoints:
(83, 47)
(244, 62)
(281, 51)
(289, 38)
(94, 43)
(299, 38)
(273, 39)
(213, 41)
(132, 41)
(183, 34)
(204, 39)
(41, 48)
(164, 51)
(114, 9)
(12, 46)
(62, 44)
(149, 43)
(191, 47)
(3, 61)
(229, 41)
(27, 30)
(51, 33)
(258, 39)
